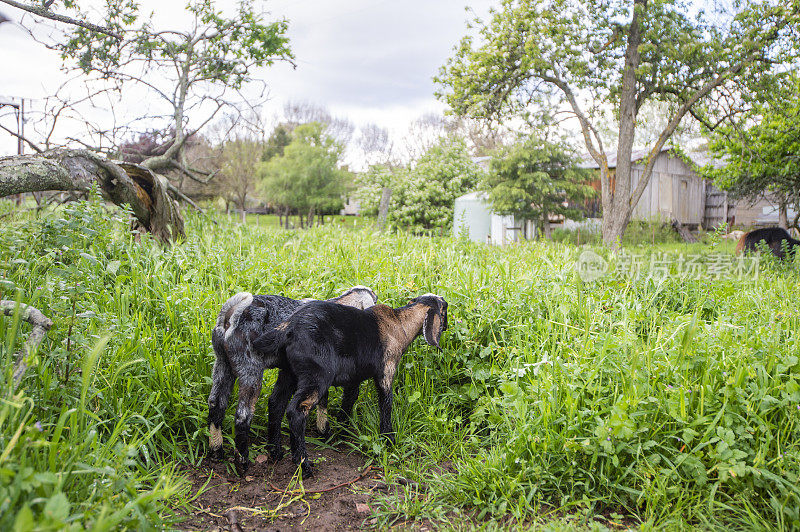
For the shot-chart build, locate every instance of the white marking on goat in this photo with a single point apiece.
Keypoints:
(232, 302)
(244, 300)
(215, 437)
(388, 374)
(322, 418)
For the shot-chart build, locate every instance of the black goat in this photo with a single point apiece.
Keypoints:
(774, 238)
(241, 320)
(323, 345)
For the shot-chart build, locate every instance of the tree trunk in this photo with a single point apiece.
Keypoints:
(546, 226)
(383, 207)
(619, 213)
(119, 182)
(244, 215)
(783, 217)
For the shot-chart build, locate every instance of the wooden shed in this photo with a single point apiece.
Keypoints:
(674, 190)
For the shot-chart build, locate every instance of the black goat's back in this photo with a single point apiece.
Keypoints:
(343, 341)
(773, 237)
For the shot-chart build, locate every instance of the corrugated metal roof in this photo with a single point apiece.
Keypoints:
(636, 155)
(473, 196)
(699, 158)
(704, 158)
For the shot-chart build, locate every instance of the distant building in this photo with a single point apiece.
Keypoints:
(674, 191)
(473, 217)
(351, 208)
(758, 212)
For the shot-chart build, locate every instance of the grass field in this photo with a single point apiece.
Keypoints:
(663, 395)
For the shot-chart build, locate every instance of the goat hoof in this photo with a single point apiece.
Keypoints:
(276, 456)
(242, 467)
(305, 466)
(242, 464)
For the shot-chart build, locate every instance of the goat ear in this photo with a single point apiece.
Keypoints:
(432, 327)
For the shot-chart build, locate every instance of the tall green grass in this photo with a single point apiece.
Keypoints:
(669, 401)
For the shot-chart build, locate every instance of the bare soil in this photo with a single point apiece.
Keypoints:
(270, 498)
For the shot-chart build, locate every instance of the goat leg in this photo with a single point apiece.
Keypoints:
(297, 413)
(278, 399)
(249, 388)
(221, 388)
(385, 408)
(349, 397)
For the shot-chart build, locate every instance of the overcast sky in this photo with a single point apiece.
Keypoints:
(369, 61)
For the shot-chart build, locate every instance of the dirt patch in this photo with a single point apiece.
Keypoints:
(269, 498)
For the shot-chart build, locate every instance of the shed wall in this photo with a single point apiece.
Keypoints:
(674, 190)
(472, 217)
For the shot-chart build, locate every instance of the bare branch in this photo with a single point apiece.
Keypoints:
(15, 134)
(191, 173)
(45, 12)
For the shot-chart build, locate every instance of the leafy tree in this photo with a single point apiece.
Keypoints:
(238, 179)
(424, 196)
(761, 150)
(369, 186)
(190, 71)
(306, 178)
(185, 72)
(589, 55)
(534, 179)
(280, 138)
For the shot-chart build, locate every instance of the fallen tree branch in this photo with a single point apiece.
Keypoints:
(684, 232)
(41, 324)
(79, 170)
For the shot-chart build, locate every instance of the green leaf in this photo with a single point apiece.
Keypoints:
(113, 267)
(57, 507)
(24, 520)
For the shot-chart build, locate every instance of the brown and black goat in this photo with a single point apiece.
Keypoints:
(776, 239)
(242, 319)
(323, 345)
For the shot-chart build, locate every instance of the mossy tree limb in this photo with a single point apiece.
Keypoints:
(40, 323)
(121, 183)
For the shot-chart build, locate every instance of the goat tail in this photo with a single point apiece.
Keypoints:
(231, 311)
(272, 344)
